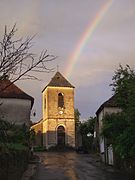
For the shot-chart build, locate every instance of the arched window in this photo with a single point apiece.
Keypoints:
(60, 100)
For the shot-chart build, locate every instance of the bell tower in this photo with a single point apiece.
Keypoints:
(58, 113)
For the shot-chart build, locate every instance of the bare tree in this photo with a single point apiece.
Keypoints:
(16, 59)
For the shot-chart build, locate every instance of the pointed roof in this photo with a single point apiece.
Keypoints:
(59, 81)
(10, 90)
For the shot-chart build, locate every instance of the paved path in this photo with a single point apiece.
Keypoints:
(72, 166)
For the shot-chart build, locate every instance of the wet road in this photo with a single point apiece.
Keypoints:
(72, 166)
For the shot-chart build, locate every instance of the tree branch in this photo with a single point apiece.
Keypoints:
(16, 59)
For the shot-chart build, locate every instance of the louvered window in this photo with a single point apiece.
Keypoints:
(60, 100)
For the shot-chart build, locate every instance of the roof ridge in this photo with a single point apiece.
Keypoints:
(110, 102)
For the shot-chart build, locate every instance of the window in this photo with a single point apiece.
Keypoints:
(60, 100)
(45, 103)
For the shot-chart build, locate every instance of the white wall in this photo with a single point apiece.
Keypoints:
(100, 118)
(110, 110)
(102, 144)
(15, 110)
(110, 155)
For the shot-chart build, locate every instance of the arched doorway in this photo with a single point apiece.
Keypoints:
(61, 135)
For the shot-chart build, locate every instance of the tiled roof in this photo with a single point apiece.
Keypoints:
(109, 103)
(59, 81)
(9, 90)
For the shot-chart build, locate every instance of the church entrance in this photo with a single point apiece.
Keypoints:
(61, 135)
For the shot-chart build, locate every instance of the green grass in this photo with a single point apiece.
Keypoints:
(13, 146)
(39, 149)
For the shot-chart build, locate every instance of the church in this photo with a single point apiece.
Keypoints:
(57, 126)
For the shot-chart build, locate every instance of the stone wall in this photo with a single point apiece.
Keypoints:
(54, 116)
(50, 132)
(51, 109)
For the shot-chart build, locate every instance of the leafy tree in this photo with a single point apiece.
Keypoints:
(21, 134)
(87, 131)
(77, 123)
(77, 117)
(114, 125)
(87, 127)
(119, 129)
(13, 134)
(4, 128)
(124, 89)
(120, 133)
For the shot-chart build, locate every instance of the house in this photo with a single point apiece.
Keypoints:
(58, 123)
(106, 151)
(15, 104)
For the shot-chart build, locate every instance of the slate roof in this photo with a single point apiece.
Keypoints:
(59, 81)
(9, 90)
(109, 103)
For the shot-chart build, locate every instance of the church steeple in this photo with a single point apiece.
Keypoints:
(58, 123)
(59, 81)
(58, 112)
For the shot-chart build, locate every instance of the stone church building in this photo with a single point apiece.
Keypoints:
(57, 126)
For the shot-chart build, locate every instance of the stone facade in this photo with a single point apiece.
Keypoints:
(58, 124)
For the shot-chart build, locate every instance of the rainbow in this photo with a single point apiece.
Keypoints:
(85, 37)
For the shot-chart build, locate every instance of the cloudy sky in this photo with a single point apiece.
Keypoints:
(59, 26)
